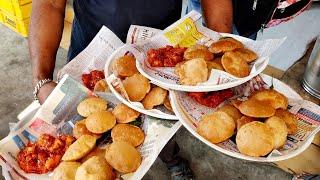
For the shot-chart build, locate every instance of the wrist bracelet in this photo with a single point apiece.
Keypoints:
(38, 86)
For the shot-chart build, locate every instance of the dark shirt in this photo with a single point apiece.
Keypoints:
(250, 16)
(118, 15)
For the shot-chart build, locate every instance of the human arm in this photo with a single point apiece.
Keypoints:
(47, 20)
(218, 14)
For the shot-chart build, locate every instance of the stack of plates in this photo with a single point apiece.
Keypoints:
(186, 109)
(186, 33)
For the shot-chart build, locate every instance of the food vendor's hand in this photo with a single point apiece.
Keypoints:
(45, 91)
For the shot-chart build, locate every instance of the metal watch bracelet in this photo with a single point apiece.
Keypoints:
(38, 87)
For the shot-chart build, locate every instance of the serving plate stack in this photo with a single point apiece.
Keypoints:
(150, 57)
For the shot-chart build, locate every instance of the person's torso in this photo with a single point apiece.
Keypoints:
(118, 15)
(252, 15)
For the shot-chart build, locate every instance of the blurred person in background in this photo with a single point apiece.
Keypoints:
(47, 21)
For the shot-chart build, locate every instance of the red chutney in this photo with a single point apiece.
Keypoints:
(211, 99)
(45, 154)
(90, 80)
(165, 57)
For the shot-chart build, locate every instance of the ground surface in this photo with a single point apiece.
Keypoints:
(15, 95)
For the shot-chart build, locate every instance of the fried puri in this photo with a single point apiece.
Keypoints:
(273, 97)
(198, 51)
(216, 127)
(137, 87)
(124, 114)
(167, 104)
(100, 122)
(128, 133)
(244, 120)
(279, 130)
(91, 105)
(290, 120)
(246, 54)
(255, 139)
(66, 171)
(192, 72)
(256, 108)
(95, 168)
(125, 66)
(155, 97)
(123, 157)
(80, 129)
(236, 103)
(215, 64)
(225, 45)
(95, 152)
(101, 86)
(231, 111)
(79, 148)
(235, 65)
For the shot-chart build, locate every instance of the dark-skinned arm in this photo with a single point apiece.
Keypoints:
(47, 21)
(218, 14)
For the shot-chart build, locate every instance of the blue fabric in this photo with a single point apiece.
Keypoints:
(196, 5)
(251, 35)
(193, 5)
(118, 15)
(77, 42)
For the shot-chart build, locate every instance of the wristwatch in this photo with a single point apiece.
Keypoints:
(38, 86)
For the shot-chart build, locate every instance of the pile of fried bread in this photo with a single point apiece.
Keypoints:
(84, 160)
(227, 54)
(193, 65)
(137, 87)
(260, 124)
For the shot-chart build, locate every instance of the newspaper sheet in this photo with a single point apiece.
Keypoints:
(307, 113)
(94, 56)
(58, 116)
(139, 34)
